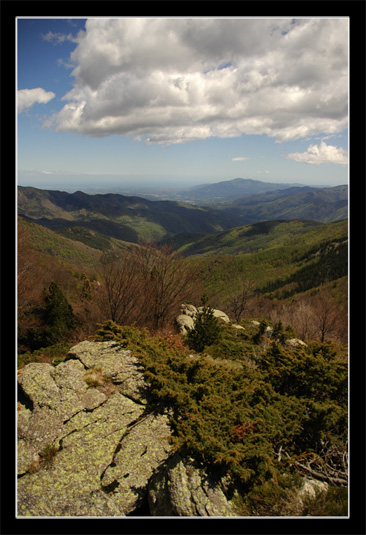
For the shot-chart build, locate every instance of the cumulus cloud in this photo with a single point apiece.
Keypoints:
(176, 80)
(28, 97)
(323, 153)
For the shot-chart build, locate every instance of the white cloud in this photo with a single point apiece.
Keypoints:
(240, 159)
(176, 80)
(28, 97)
(323, 153)
(58, 38)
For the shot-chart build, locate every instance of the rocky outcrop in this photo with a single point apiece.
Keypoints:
(185, 323)
(295, 342)
(87, 442)
(185, 320)
(183, 489)
(90, 445)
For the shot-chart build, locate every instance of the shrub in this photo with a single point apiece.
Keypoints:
(254, 423)
(276, 497)
(333, 502)
(206, 329)
(52, 354)
(55, 320)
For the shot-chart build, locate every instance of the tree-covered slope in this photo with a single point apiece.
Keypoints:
(284, 261)
(317, 204)
(258, 236)
(118, 216)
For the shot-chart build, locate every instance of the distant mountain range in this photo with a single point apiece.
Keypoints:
(229, 190)
(317, 204)
(128, 218)
(214, 195)
(118, 216)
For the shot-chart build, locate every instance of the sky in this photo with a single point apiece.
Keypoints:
(164, 101)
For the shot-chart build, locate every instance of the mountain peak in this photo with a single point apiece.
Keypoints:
(233, 189)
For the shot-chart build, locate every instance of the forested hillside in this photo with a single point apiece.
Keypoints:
(317, 204)
(78, 215)
(256, 237)
(275, 269)
(117, 216)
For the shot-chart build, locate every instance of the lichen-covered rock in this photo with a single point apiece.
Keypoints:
(182, 489)
(71, 431)
(38, 384)
(86, 446)
(59, 389)
(142, 451)
(118, 365)
(36, 430)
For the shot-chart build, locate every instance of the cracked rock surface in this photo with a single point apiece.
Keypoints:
(96, 448)
(183, 489)
(88, 431)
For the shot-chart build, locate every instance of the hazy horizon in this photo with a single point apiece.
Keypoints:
(137, 183)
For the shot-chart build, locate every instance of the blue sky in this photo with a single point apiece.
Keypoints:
(188, 101)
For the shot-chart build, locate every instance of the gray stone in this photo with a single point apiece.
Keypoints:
(185, 323)
(182, 489)
(295, 342)
(311, 487)
(118, 364)
(143, 450)
(186, 319)
(188, 310)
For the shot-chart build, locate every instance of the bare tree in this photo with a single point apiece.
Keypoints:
(239, 302)
(146, 285)
(328, 319)
(168, 282)
(122, 288)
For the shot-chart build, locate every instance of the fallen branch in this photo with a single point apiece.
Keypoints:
(333, 476)
(324, 477)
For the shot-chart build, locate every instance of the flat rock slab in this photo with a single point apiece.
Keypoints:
(142, 451)
(71, 485)
(82, 428)
(118, 364)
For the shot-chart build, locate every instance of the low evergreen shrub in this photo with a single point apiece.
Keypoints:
(254, 423)
(206, 329)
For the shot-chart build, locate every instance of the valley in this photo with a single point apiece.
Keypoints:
(280, 259)
(217, 207)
